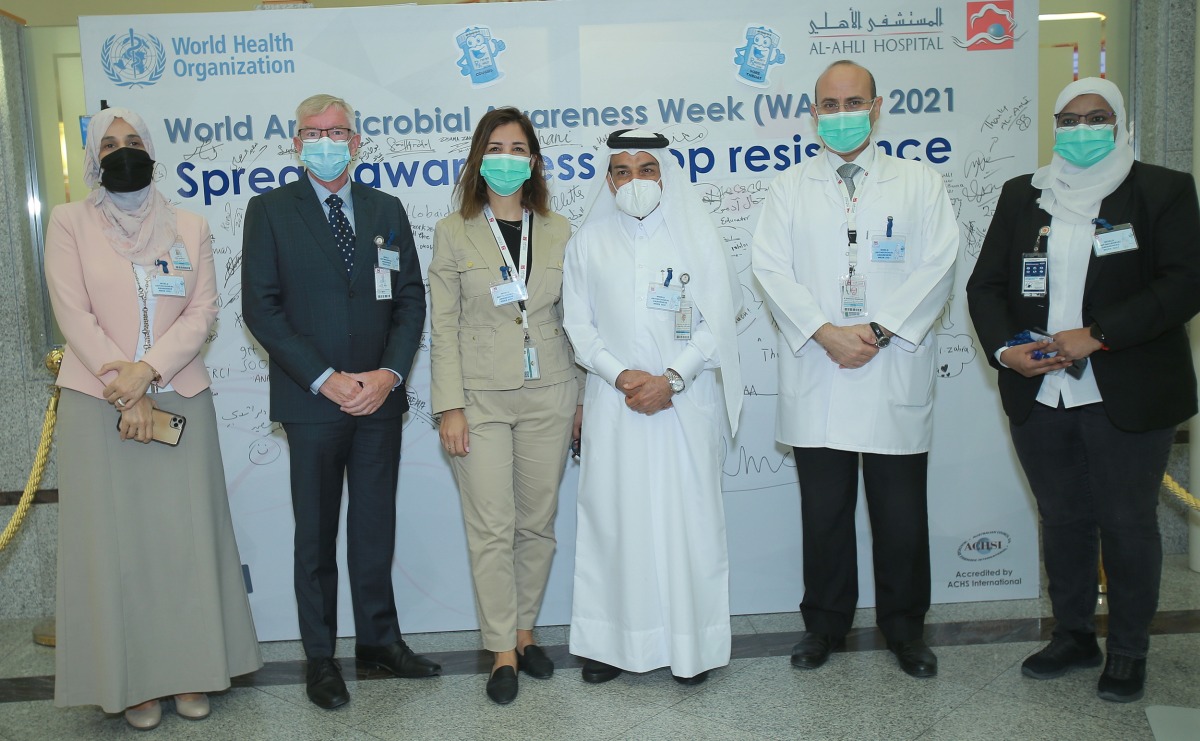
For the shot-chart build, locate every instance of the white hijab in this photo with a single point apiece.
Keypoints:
(140, 226)
(719, 296)
(1072, 193)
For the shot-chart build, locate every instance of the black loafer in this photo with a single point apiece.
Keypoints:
(325, 686)
(1123, 680)
(398, 659)
(502, 685)
(1065, 652)
(915, 658)
(535, 662)
(813, 650)
(597, 672)
(691, 681)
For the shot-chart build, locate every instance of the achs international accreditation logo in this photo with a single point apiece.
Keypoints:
(756, 57)
(990, 25)
(133, 59)
(479, 51)
(983, 546)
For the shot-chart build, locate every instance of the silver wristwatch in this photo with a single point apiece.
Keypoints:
(675, 380)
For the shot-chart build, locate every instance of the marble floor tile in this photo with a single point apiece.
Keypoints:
(676, 725)
(1180, 586)
(368, 697)
(26, 658)
(987, 716)
(658, 687)
(1172, 667)
(857, 695)
(557, 708)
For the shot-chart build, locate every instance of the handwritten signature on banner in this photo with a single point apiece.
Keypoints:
(899, 22)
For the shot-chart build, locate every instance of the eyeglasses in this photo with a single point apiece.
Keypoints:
(854, 104)
(1098, 117)
(337, 133)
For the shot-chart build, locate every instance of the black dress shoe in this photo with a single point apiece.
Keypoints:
(502, 685)
(915, 658)
(325, 687)
(813, 650)
(1123, 680)
(398, 659)
(691, 681)
(596, 672)
(535, 662)
(1065, 652)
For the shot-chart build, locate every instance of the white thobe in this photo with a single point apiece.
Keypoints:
(651, 564)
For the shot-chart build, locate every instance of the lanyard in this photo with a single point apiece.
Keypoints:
(522, 256)
(851, 206)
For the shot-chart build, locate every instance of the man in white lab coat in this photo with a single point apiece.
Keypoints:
(650, 302)
(855, 251)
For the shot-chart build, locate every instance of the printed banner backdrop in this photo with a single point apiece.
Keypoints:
(731, 86)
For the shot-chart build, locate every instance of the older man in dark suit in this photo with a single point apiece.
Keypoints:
(331, 287)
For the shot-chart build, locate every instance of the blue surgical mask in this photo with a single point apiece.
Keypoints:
(325, 158)
(1083, 145)
(846, 131)
(505, 173)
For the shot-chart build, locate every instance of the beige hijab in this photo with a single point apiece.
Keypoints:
(140, 226)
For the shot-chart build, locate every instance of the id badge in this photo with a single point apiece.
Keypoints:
(1034, 268)
(663, 298)
(179, 257)
(854, 296)
(509, 291)
(683, 321)
(887, 249)
(388, 259)
(383, 284)
(532, 371)
(1111, 241)
(167, 285)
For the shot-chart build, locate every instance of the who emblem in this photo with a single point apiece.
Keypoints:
(133, 59)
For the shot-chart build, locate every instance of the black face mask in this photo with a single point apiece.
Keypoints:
(126, 169)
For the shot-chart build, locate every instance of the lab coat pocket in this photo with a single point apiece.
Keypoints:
(911, 377)
(477, 346)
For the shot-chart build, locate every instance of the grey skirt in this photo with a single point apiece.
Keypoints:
(151, 600)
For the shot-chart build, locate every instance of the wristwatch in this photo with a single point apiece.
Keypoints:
(675, 380)
(881, 339)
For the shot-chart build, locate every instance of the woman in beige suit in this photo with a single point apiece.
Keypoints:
(151, 602)
(504, 381)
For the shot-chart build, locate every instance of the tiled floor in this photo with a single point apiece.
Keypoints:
(979, 692)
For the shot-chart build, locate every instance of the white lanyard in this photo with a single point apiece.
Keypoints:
(522, 255)
(851, 206)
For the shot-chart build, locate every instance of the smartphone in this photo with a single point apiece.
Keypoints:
(168, 427)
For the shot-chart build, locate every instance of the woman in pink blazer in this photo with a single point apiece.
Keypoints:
(151, 602)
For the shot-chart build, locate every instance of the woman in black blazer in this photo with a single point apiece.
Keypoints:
(1093, 409)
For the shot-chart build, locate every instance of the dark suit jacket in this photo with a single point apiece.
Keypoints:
(1140, 299)
(309, 315)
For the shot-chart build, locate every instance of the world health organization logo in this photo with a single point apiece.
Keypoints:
(133, 59)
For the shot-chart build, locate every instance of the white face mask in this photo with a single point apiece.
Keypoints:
(638, 197)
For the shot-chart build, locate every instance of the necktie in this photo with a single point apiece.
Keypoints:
(343, 233)
(848, 171)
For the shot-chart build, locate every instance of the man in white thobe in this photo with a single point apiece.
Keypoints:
(855, 252)
(650, 302)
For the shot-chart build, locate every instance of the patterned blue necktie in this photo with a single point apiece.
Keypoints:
(343, 233)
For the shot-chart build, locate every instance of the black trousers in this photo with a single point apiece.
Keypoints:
(896, 505)
(1097, 489)
(364, 452)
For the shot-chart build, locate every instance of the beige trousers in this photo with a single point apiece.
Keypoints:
(509, 489)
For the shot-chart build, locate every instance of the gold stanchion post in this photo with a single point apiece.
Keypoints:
(44, 631)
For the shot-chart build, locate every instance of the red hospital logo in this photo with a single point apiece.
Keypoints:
(990, 25)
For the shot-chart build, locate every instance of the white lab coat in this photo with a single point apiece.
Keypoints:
(651, 565)
(799, 255)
